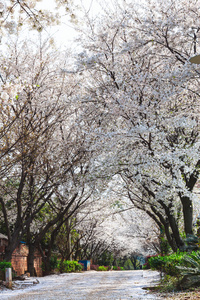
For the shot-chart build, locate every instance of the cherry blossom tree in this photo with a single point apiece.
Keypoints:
(45, 156)
(143, 96)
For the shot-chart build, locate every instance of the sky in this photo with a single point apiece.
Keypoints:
(65, 33)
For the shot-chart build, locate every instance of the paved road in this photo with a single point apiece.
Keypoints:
(91, 285)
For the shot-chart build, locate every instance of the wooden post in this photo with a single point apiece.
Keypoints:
(8, 277)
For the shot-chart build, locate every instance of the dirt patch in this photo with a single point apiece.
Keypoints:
(186, 295)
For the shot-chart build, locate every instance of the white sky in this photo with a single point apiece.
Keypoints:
(65, 33)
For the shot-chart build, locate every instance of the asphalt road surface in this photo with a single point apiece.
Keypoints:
(90, 285)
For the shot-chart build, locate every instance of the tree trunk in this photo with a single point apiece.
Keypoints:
(51, 243)
(187, 214)
(47, 264)
(173, 225)
(170, 238)
(14, 242)
(31, 258)
(77, 255)
(175, 230)
(134, 262)
(68, 245)
(165, 223)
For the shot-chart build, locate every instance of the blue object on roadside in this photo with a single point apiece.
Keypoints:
(86, 264)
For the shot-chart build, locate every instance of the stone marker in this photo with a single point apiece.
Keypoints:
(8, 277)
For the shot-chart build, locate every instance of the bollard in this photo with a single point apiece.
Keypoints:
(9, 277)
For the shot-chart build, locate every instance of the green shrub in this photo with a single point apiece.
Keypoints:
(190, 271)
(167, 264)
(170, 264)
(78, 267)
(115, 268)
(4, 265)
(102, 268)
(68, 266)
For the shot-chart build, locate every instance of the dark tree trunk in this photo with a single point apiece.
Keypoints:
(175, 230)
(31, 258)
(186, 201)
(77, 250)
(165, 223)
(47, 265)
(48, 254)
(170, 219)
(170, 238)
(187, 214)
(68, 246)
(14, 242)
(134, 262)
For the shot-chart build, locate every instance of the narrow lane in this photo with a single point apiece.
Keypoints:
(91, 285)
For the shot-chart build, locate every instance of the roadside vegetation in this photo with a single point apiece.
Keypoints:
(179, 272)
